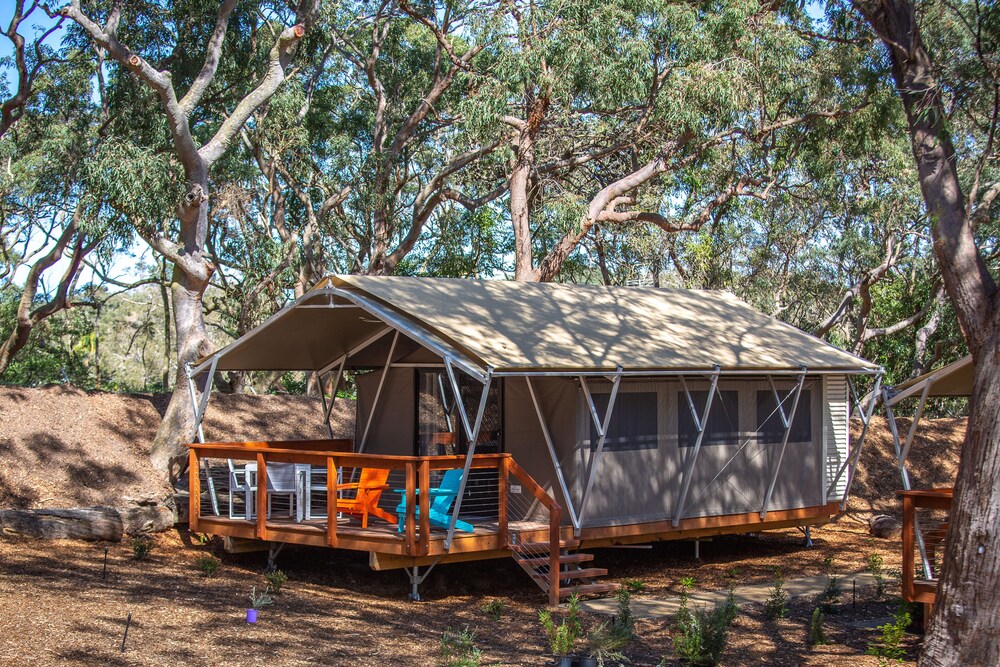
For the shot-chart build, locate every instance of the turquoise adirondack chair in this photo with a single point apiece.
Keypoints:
(441, 499)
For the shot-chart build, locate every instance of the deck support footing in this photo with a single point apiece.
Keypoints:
(272, 555)
(416, 579)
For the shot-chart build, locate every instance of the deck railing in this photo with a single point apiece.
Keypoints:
(925, 526)
(486, 500)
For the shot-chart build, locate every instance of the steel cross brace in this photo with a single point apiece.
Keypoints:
(852, 459)
(552, 454)
(602, 435)
(701, 424)
(472, 430)
(784, 440)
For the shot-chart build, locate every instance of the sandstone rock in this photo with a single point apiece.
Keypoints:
(885, 527)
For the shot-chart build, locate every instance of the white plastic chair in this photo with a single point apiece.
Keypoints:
(238, 482)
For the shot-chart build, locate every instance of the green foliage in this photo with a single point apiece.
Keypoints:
(208, 564)
(873, 563)
(494, 609)
(275, 580)
(623, 623)
(701, 635)
(458, 649)
(831, 593)
(816, 635)
(776, 605)
(888, 648)
(563, 637)
(259, 600)
(634, 585)
(142, 547)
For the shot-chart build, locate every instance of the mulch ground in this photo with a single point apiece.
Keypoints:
(61, 447)
(56, 607)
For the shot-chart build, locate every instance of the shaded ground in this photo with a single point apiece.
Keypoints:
(336, 611)
(64, 447)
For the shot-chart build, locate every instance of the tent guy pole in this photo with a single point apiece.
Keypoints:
(701, 424)
(552, 454)
(784, 440)
(602, 435)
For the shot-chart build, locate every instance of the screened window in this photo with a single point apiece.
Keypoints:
(771, 430)
(633, 422)
(723, 427)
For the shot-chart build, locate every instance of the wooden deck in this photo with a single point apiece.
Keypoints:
(920, 588)
(504, 521)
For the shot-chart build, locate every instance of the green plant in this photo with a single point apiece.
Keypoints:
(603, 643)
(258, 600)
(141, 548)
(828, 564)
(888, 649)
(200, 538)
(702, 634)
(623, 623)
(208, 564)
(831, 593)
(776, 605)
(275, 580)
(494, 609)
(816, 635)
(458, 649)
(634, 585)
(874, 564)
(563, 637)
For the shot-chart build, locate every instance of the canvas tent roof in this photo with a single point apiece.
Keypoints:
(955, 379)
(517, 327)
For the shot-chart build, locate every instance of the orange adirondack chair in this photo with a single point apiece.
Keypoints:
(369, 489)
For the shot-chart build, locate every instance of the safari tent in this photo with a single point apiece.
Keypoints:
(577, 415)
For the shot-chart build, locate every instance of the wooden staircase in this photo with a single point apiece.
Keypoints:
(574, 574)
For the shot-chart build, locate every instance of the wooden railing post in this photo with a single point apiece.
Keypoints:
(555, 519)
(331, 501)
(502, 505)
(909, 515)
(194, 490)
(261, 498)
(424, 484)
(411, 498)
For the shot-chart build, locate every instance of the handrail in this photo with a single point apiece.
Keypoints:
(935, 499)
(555, 523)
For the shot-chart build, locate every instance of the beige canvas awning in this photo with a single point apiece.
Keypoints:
(515, 327)
(955, 379)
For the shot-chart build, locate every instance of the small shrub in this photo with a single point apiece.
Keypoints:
(831, 593)
(702, 634)
(604, 643)
(275, 580)
(494, 609)
(828, 564)
(816, 635)
(258, 600)
(141, 548)
(562, 637)
(458, 649)
(777, 602)
(208, 564)
(874, 565)
(623, 623)
(200, 538)
(888, 649)
(634, 585)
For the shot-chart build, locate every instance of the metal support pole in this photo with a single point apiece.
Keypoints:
(784, 442)
(328, 406)
(689, 471)
(472, 430)
(925, 562)
(913, 424)
(852, 458)
(602, 436)
(866, 420)
(378, 393)
(552, 454)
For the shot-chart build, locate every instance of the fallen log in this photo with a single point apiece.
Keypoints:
(81, 523)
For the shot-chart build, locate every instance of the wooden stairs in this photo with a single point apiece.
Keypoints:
(575, 574)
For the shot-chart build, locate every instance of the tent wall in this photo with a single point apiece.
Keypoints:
(836, 432)
(392, 430)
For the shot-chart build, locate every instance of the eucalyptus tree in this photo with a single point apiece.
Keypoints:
(652, 113)
(943, 61)
(201, 125)
(29, 58)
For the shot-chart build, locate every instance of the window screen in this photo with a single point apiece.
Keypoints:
(723, 427)
(633, 421)
(771, 430)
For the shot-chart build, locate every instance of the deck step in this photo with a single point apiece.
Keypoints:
(544, 546)
(581, 573)
(565, 558)
(587, 589)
